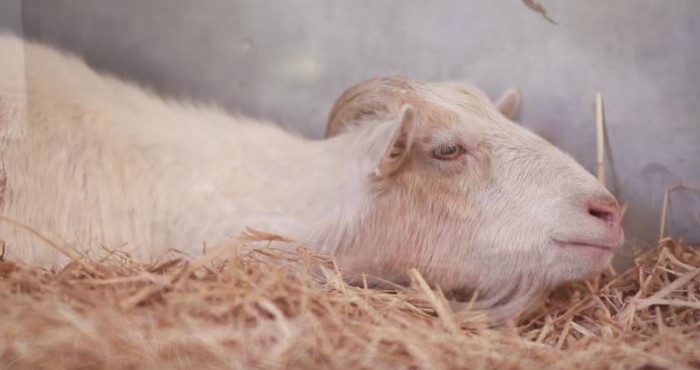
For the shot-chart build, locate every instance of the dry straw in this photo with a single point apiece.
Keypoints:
(247, 305)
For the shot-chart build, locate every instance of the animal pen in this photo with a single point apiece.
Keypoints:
(614, 85)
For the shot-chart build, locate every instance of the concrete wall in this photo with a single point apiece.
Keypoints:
(287, 60)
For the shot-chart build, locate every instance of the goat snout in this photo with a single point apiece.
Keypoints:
(608, 211)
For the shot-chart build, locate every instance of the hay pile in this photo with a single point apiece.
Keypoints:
(243, 311)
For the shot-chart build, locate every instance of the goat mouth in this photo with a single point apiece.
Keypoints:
(577, 244)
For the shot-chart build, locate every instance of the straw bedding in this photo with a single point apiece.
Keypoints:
(245, 305)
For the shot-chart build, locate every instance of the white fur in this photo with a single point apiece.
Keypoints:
(100, 162)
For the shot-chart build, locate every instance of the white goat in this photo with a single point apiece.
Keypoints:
(420, 174)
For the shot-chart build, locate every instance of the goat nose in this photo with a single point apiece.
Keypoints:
(607, 211)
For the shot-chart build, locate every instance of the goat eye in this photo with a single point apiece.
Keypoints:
(447, 152)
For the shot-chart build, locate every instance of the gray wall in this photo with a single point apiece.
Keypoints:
(287, 60)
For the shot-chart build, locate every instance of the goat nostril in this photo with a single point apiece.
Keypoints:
(601, 214)
(606, 211)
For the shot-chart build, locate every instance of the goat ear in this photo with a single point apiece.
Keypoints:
(509, 103)
(400, 141)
